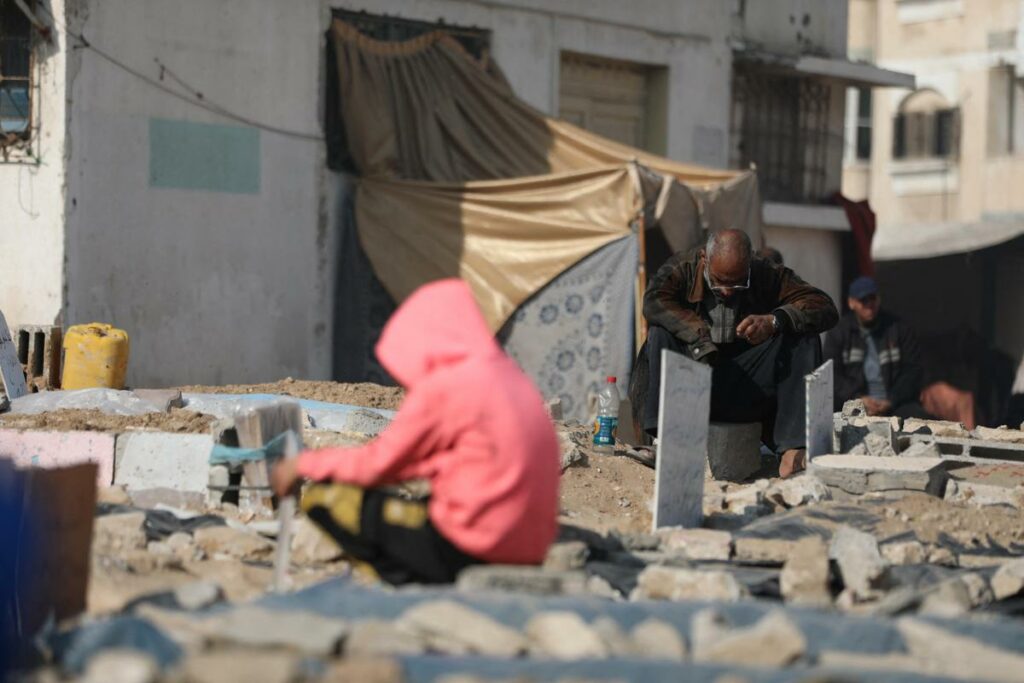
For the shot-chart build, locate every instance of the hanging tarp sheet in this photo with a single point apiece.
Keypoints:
(507, 238)
(424, 109)
(897, 242)
(579, 329)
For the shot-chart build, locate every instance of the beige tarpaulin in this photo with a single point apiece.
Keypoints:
(927, 240)
(509, 198)
(507, 238)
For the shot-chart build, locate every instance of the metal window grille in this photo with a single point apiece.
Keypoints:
(780, 123)
(927, 135)
(15, 72)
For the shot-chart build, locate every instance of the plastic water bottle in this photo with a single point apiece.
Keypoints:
(607, 422)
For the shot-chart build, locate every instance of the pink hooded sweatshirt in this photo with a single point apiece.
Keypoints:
(472, 423)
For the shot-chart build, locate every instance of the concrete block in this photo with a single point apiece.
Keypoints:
(913, 425)
(851, 431)
(683, 441)
(60, 449)
(857, 474)
(984, 495)
(972, 450)
(39, 351)
(819, 392)
(734, 450)
(1002, 434)
(146, 460)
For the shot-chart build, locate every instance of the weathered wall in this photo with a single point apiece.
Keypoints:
(794, 26)
(688, 37)
(32, 201)
(815, 255)
(202, 236)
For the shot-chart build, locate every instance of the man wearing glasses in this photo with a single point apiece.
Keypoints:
(754, 322)
(875, 356)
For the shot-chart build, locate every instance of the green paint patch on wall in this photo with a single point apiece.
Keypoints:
(204, 156)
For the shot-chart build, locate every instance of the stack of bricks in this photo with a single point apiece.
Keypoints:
(39, 351)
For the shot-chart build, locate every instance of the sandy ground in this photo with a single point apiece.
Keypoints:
(608, 493)
(92, 420)
(360, 394)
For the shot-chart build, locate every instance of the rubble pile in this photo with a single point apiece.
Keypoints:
(902, 554)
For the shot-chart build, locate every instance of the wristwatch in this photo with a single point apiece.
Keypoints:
(775, 324)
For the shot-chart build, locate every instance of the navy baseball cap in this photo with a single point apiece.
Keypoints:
(863, 287)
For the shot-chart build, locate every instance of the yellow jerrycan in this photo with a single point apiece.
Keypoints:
(95, 355)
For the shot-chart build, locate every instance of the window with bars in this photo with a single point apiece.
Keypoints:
(926, 127)
(15, 72)
(780, 123)
(863, 139)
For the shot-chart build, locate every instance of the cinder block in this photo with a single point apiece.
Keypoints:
(857, 474)
(60, 449)
(973, 450)
(734, 450)
(149, 460)
(39, 351)
(850, 431)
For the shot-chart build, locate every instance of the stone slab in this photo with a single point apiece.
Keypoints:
(60, 449)
(857, 474)
(685, 404)
(819, 392)
(12, 375)
(146, 460)
(734, 450)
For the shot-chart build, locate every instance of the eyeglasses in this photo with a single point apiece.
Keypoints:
(718, 289)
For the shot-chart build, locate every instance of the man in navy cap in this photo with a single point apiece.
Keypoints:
(875, 356)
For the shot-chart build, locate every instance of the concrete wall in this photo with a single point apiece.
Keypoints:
(32, 200)
(688, 37)
(815, 255)
(202, 236)
(796, 26)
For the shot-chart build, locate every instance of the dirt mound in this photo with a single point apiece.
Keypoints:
(609, 492)
(360, 394)
(93, 420)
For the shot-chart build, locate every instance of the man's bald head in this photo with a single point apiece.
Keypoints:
(728, 254)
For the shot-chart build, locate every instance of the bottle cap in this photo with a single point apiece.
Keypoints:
(610, 378)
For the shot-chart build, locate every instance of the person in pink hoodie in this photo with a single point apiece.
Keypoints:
(472, 425)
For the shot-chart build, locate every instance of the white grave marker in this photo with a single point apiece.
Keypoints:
(12, 375)
(683, 412)
(820, 391)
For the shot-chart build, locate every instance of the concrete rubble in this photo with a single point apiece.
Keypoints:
(900, 553)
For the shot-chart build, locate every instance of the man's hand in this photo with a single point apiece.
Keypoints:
(284, 478)
(876, 407)
(757, 329)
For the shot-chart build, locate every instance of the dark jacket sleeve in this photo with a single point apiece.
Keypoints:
(906, 383)
(847, 384)
(807, 309)
(665, 306)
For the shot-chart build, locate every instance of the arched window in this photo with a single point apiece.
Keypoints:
(926, 127)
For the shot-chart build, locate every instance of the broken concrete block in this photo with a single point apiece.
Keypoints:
(874, 445)
(904, 552)
(236, 664)
(853, 430)
(922, 449)
(763, 551)
(554, 409)
(734, 450)
(119, 665)
(564, 635)
(198, 594)
(804, 489)
(451, 628)
(949, 599)
(854, 408)
(774, 641)
(521, 579)
(657, 639)
(943, 557)
(616, 641)
(859, 474)
(658, 582)
(567, 556)
(364, 670)
(983, 495)
(1008, 580)
(913, 425)
(310, 545)
(861, 566)
(805, 574)
(376, 637)
(148, 460)
(226, 541)
(60, 449)
(958, 656)
(698, 544)
(1003, 434)
(258, 627)
(119, 533)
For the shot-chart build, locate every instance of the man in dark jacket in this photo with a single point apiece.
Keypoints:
(875, 355)
(754, 322)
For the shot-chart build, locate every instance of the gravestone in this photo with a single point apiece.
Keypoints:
(12, 375)
(684, 408)
(820, 386)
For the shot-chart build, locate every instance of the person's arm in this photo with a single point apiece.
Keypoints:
(400, 452)
(803, 309)
(663, 306)
(906, 382)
